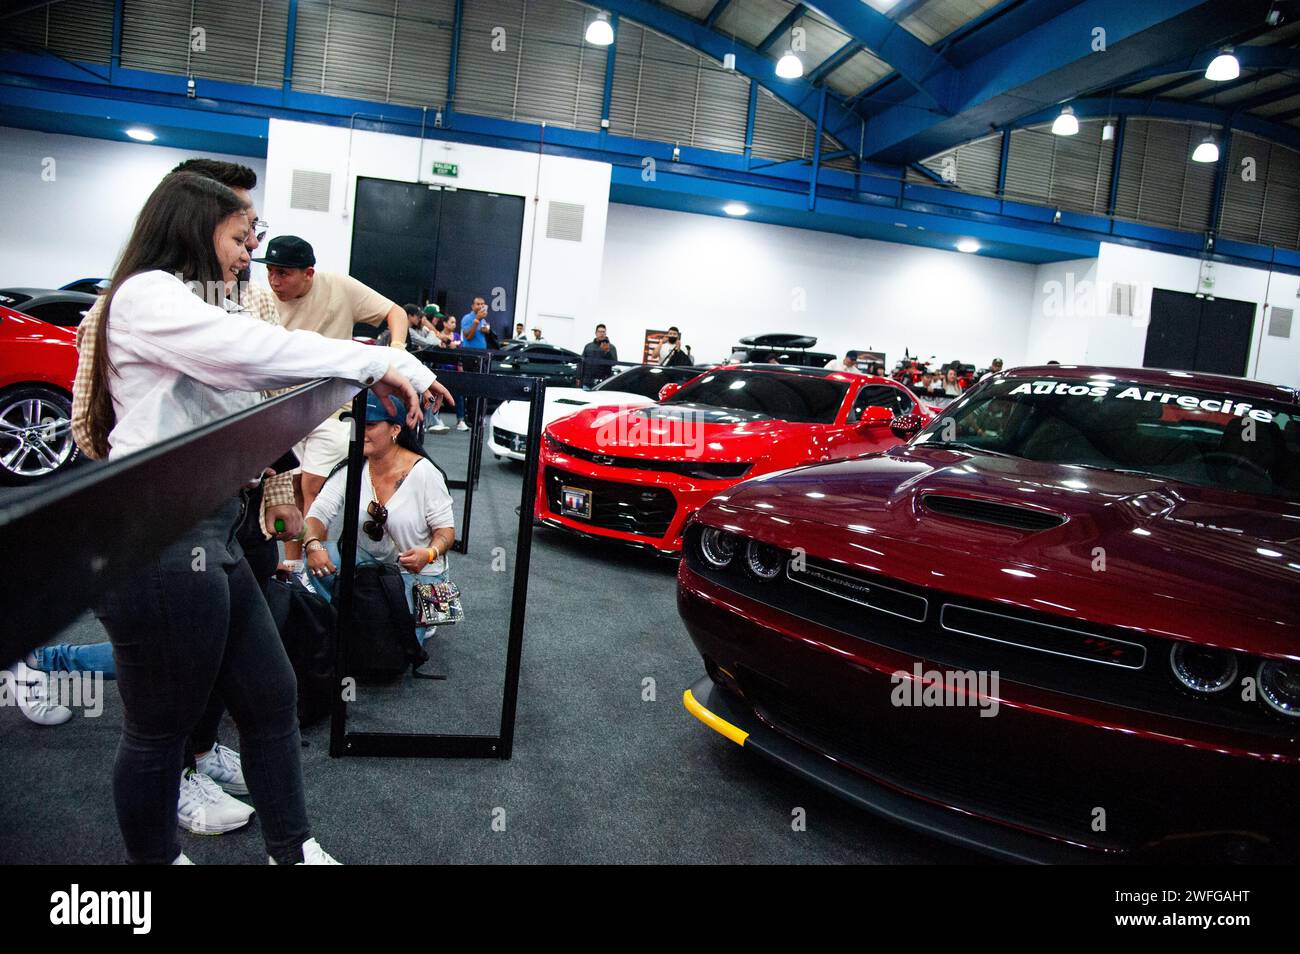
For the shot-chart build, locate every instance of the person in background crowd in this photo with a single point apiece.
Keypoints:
(406, 510)
(166, 362)
(657, 349)
(328, 303)
(951, 383)
(598, 351)
(213, 772)
(537, 336)
(995, 366)
(671, 354)
(520, 334)
(418, 335)
(935, 386)
(848, 364)
(474, 325)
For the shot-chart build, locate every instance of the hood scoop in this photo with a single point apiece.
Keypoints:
(996, 514)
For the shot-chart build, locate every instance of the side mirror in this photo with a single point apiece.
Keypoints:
(876, 417)
(668, 390)
(906, 426)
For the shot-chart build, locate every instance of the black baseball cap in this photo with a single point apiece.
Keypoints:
(288, 251)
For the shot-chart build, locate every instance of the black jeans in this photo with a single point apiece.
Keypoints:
(187, 625)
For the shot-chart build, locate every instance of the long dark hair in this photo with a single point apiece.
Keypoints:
(407, 439)
(173, 233)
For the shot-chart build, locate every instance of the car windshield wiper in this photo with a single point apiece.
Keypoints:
(961, 445)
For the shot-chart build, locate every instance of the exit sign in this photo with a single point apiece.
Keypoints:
(449, 169)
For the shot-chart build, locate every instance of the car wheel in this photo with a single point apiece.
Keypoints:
(35, 433)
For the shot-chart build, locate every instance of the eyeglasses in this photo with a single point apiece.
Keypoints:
(374, 527)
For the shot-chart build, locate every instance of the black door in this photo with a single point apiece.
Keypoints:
(478, 254)
(1198, 334)
(395, 238)
(415, 243)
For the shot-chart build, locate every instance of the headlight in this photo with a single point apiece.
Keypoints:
(1279, 684)
(718, 547)
(764, 560)
(1203, 669)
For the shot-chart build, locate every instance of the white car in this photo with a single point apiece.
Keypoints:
(635, 387)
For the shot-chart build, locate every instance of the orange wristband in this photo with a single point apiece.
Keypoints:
(432, 556)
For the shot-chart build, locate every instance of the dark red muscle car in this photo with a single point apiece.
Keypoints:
(1062, 623)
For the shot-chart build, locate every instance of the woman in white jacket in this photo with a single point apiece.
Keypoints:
(167, 362)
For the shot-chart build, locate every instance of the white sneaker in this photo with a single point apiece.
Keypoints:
(312, 854)
(439, 427)
(205, 809)
(31, 689)
(462, 426)
(223, 767)
(182, 860)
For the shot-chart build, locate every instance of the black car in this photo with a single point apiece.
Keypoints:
(91, 286)
(55, 306)
(558, 366)
(780, 348)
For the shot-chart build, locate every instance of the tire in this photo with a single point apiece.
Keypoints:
(35, 434)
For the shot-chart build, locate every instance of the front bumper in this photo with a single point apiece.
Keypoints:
(1049, 778)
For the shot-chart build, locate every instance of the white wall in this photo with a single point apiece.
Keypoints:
(1063, 305)
(74, 224)
(719, 279)
(562, 277)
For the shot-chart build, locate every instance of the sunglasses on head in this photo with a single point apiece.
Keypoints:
(260, 227)
(374, 527)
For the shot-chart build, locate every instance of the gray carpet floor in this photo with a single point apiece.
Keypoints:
(598, 774)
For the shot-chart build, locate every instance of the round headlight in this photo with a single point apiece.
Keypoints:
(1279, 684)
(718, 547)
(764, 560)
(1203, 669)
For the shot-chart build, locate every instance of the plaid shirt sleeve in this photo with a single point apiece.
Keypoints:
(87, 332)
(277, 491)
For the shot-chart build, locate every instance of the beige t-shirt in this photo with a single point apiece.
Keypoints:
(334, 304)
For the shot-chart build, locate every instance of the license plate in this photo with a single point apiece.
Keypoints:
(575, 502)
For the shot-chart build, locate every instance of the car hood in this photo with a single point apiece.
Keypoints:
(1113, 547)
(673, 432)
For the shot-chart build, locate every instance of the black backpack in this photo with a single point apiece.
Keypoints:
(307, 625)
(382, 644)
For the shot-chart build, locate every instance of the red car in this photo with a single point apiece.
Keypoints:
(1062, 623)
(636, 474)
(38, 362)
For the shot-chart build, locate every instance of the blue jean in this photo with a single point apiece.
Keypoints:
(65, 657)
(325, 584)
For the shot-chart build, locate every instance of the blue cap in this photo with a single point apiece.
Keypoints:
(375, 410)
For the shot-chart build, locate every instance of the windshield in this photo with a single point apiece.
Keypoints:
(802, 398)
(645, 380)
(1198, 437)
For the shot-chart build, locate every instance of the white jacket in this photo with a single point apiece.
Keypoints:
(181, 363)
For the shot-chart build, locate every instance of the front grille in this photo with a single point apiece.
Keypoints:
(699, 469)
(515, 442)
(630, 508)
(997, 514)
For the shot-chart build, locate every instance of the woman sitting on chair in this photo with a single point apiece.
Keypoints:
(406, 510)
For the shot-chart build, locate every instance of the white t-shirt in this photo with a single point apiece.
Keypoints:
(421, 505)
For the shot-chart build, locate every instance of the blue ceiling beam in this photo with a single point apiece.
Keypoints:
(1054, 62)
(833, 62)
(1270, 58)
(716, 13)
(904, 8)
(1184, 110)
(781, 28)
(1218, 89)
(927, 72)
(1275, 95)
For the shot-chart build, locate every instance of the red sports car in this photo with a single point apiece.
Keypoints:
(38, 362)
(636, 474)
(1062, 623)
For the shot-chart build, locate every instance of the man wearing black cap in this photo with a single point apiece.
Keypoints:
(848, 366)
(327, 303)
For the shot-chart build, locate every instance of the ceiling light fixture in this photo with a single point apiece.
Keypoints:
(968, 245)
(789, 66)
(1066, 124)
(735, 208)
(1207, 151)
(599, 32)
(1223, 67)
(141, 135)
